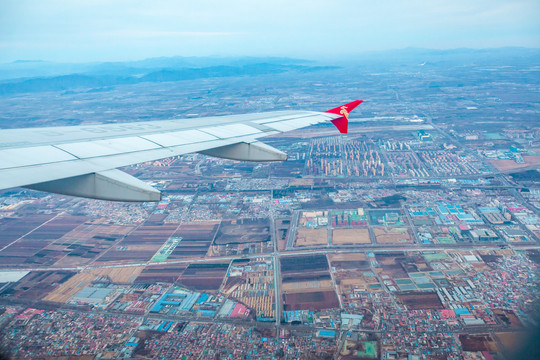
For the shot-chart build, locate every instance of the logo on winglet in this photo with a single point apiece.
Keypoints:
(344, 112)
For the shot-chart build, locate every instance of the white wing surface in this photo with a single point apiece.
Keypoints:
(82, 160)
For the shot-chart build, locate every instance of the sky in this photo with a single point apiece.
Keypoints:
(119, 30)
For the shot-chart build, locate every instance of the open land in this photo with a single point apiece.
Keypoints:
(350, 236)
(415, 234)
(391, 235)
(311, 237)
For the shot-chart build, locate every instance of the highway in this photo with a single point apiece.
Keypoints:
(307, 251)
(277, 274)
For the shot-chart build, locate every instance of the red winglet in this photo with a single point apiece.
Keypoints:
(342, 123)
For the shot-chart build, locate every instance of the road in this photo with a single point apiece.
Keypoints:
(277, 275)
(292, 230)
(308, 251)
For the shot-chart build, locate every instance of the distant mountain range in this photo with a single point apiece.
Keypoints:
(35, 68)
(35, 76)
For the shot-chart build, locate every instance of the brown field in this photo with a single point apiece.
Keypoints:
(57, 228)
(197, 230)
(97, 232)
(70, 287)
(87, 241)
(13, 228)
(38, 284)
(282, 233)
(243, 231)
(190, 249)
(421, 300)
(349, 275)
(391, 264)
(132, 253)
(351, 263)
(150, 234)
(196, 239)
(204, 276)
(389, 258)
(311, 237)
(482, 266)
(304, 268)
(392, 235)
(393, 271)
(306, 283)
(303, 264)
(23, 249)
(45, 257)
(503, 165)
(306, 277)
(240, 249)
(33, 243)
(141, 244)
(307, 286)
(124, 275)
(350, 236)
(347, 257)
(483, 342)
(12, 259)
(71, 260)
(507, 316)
(360, 283)
(161, 273)
(316, 300)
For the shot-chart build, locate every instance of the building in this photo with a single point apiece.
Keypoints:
(94, 295)
(483, 235)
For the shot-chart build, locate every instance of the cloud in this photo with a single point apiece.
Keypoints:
(145, 34)
(113, 29)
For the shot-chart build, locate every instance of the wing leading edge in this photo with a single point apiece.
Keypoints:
(81, 160)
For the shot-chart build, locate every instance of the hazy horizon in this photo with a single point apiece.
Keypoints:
(217, 57)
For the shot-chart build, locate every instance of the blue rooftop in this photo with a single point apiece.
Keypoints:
(327, 333)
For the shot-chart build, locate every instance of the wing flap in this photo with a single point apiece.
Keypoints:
(112, 185)
(255, 151)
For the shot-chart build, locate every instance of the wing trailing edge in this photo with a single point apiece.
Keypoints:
(112, 185)
(255, 151)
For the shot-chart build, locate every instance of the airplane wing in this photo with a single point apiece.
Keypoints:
(83, 160)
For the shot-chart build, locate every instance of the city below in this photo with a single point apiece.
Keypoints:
(414, 236)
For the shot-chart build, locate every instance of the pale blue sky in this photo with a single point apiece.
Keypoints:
(109, 30)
